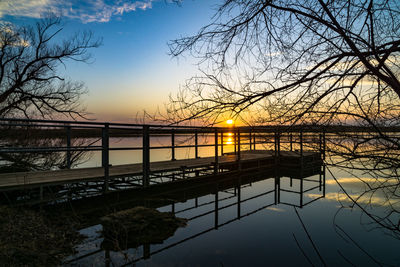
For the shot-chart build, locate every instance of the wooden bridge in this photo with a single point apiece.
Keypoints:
(255, 148)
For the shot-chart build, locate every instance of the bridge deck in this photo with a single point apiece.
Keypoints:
(32, 179)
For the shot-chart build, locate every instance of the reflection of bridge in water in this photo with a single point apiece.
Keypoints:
(226, 191)
(254, 148)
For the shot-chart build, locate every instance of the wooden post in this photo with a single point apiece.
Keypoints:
(196, 145)
(238, 144)
(291, 142)
(105, 154)
(69, 147)
(279, 144)
(222, 143)
(146, 156)
(320, 143)
(173, 145)
(301, 145)
(276, 148)
(301, 169)
(250, 147)
(216, 151)
(254, 140)
(323, 177)
(323, 145)
(234, 140)
(41, 193)
(183, 168)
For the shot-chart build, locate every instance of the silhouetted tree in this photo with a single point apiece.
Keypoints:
(30, 80)
(293, 60)
(31, 85)
(297, 61)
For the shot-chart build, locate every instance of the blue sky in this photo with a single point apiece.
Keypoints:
(132, 70)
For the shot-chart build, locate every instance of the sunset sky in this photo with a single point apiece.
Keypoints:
(132, 70)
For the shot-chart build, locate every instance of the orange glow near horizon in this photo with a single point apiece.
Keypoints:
(230, 122)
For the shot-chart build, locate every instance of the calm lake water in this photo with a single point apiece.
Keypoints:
(259, 231)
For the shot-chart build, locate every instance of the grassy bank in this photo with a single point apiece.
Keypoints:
(33, 237)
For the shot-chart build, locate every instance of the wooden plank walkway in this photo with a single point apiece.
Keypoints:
(32, 179)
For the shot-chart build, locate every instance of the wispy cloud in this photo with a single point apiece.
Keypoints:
(7, 34)
(360, 199)
(362, 180)
(86, 11)
(275, 209)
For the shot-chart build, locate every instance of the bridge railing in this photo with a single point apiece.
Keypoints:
(20, 136)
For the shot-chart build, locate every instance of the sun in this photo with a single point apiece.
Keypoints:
(230, 122)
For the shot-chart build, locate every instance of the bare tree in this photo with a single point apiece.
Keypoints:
(30, 57)
(297, 61)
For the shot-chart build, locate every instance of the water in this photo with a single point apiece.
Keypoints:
(263, 233)
(336, 228)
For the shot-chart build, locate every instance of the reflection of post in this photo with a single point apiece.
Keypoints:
(146, 251)
(69, 147)
(105, 154)
(320, 178)
(323, 177)
(107, 258)
(146, 156)
(301, 191)
(277, 190)
(238, 200)
(216, 210)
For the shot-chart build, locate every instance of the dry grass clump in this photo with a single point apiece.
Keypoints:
(137, 226)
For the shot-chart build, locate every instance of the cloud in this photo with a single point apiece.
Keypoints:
(275, 209)
(360, 199)
(362, 180)
(86, 11)
(7, 33)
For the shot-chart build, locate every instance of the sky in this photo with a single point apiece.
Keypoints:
(131, 71)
